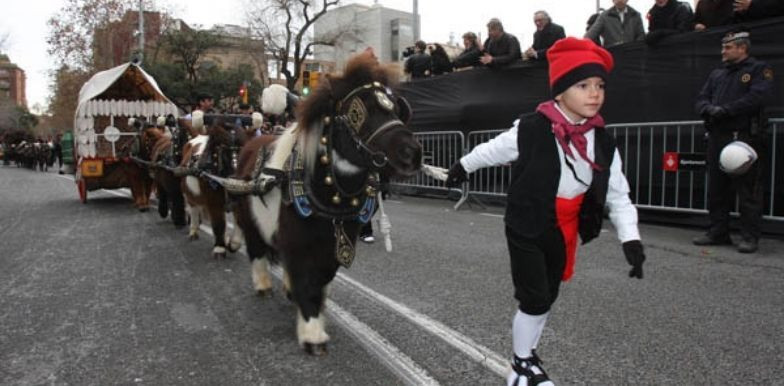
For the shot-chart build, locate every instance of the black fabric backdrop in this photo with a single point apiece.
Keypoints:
(649, 83)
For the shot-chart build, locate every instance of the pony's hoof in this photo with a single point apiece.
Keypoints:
(318, 349)
(219, 255)
(288, 296)
(264, 293)
(193, 236)
(143, 209)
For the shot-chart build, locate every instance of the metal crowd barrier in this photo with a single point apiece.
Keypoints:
(642, 147)
(439, 148)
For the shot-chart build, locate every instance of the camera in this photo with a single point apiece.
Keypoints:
(408, 51)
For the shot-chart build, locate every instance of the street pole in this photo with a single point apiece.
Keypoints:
(416, 20)
(141, 31)
(597, 6)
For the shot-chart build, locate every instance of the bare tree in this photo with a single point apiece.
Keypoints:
(285, 27)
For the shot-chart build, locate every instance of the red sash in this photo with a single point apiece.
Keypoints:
(567, 211)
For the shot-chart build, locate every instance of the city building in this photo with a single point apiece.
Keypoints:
(12, 82)
(354, 27)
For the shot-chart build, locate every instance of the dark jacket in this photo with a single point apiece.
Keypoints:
(530, 208)
(469, 58)
(418, 65)
(742, 89)
(440, 63)
(609, 26)
(675, 17)
(545, 38)
(504, 50)
(713, 13)
(762, 9)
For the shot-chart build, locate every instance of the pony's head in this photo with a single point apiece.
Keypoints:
(223, 147)
(364, 122)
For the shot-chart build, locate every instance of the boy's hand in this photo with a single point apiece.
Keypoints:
(456, 176)
(635, 256)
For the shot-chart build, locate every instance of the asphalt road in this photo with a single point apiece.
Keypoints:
(100, 294)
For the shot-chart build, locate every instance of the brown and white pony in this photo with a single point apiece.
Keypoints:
(215, 153)
(348, 131)
(167, 144)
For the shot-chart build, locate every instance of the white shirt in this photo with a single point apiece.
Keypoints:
(503, 150)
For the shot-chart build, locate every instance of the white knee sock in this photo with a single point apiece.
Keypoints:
(526, 330)
(541, 329)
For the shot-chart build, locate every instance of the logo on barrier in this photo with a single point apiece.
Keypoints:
(674, 161)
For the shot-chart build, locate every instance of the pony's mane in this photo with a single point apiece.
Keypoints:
(362, 69)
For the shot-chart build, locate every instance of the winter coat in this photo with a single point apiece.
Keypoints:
(613, 31)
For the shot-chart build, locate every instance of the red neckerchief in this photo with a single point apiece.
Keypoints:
(566, 131)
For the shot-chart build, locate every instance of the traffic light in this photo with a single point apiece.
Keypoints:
(244, 92)
(305, 82)
(315, 76)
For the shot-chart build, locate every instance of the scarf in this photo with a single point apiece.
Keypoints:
(566, 132)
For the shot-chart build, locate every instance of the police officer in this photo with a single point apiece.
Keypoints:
(732, 104)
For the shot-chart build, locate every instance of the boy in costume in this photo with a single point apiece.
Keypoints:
(565, 170)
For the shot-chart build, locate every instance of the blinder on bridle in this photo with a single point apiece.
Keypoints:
(353, 113)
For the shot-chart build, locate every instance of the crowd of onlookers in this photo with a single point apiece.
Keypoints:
(617, 25)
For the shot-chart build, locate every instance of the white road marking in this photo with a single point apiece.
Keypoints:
(492, 215)
(468, 346)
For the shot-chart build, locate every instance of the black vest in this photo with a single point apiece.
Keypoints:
(536, 173)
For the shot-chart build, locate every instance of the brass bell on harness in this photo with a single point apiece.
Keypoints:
(324, 140)
(336, 199)
(354, 202)
(326, 120)
(324, 159)
(328, 180)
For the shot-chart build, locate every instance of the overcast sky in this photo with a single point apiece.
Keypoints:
(25, 24)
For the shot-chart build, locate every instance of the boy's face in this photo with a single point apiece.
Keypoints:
(583, 99)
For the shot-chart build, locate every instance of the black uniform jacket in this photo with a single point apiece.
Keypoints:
(742, 89)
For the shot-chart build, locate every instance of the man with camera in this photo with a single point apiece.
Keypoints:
(732, 105)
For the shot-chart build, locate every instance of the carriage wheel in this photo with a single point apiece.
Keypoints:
(82, 186)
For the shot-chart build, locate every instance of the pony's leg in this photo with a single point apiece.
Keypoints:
(308, 291)
(262, 282)
(177, 201)
(218, 221)
(195, 214)
(236, 240)
(163, 199)
(287, 283)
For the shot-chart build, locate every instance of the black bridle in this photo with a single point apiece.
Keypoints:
(351, 114)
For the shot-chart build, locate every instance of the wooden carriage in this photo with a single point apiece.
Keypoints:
(103, 139)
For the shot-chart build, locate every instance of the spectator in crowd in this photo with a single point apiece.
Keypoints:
(617, 25)
(439, 60)
(732, 105)
(713, 13)
(470, 55)
(668, 17)
(750, 10)
(565, 169)
(418, 64)
(500, 48)
(547, 33)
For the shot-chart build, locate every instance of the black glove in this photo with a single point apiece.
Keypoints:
(635, 257)
(716, 112)
(456, 176)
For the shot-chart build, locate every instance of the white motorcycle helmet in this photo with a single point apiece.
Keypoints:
(736, 158)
